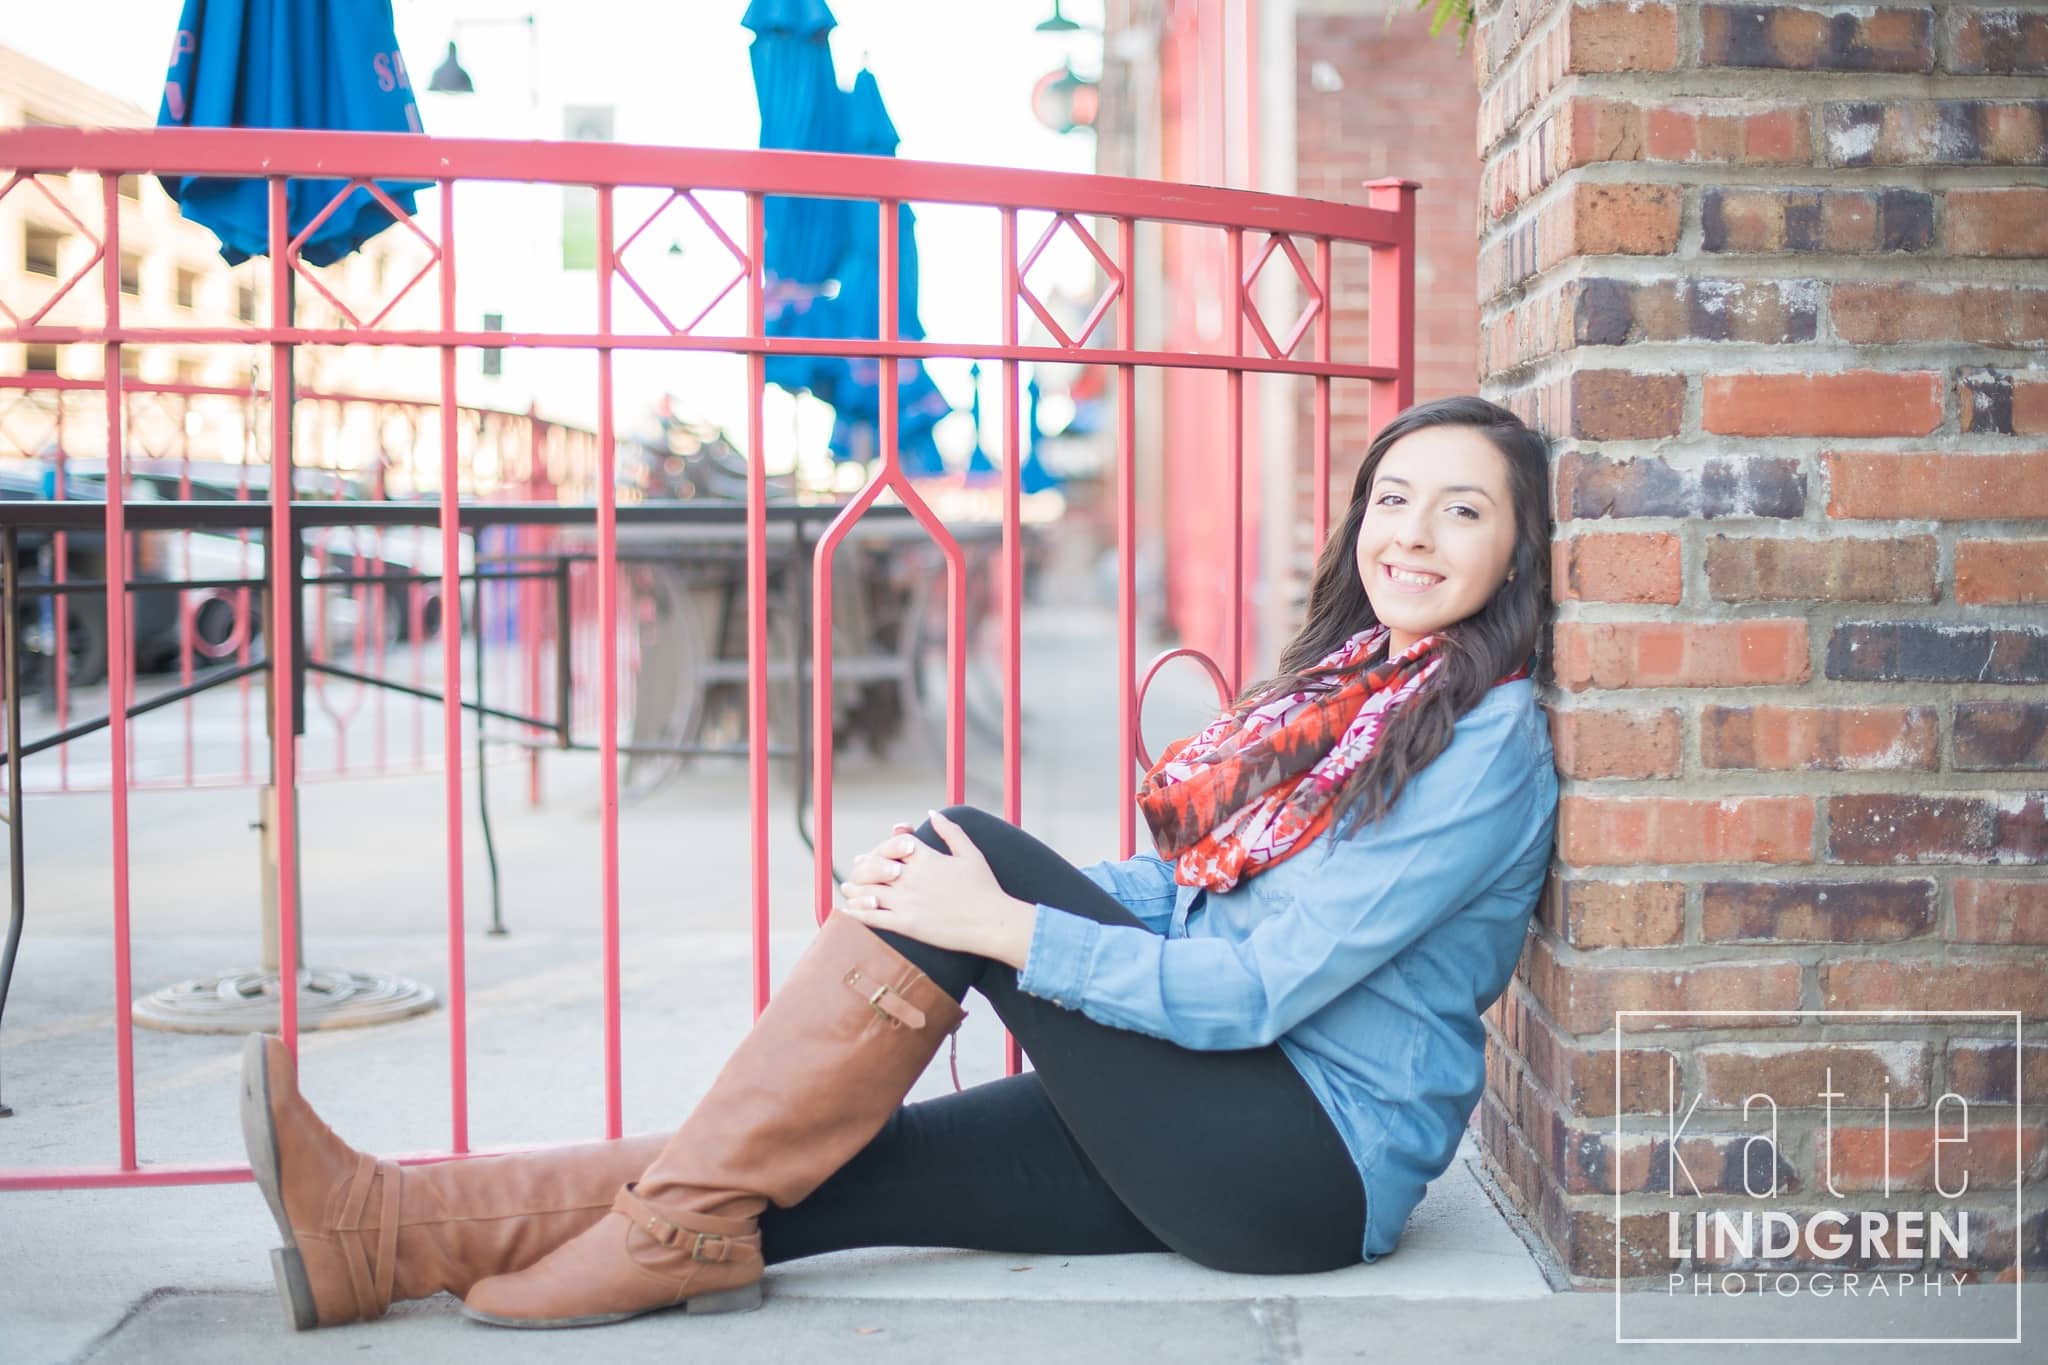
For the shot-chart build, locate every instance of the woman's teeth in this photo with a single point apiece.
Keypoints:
(1413, 580)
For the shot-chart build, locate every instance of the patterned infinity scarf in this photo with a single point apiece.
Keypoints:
(1247, 792)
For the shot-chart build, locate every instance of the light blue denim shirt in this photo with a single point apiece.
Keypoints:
(1369, 960)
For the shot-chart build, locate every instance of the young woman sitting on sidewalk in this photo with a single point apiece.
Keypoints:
(1255, 1049)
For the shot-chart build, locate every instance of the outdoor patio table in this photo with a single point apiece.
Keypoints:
(697, 533)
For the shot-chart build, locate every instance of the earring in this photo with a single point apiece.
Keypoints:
(1511, 575)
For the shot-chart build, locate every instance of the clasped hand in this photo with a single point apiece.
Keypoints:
(948, 898)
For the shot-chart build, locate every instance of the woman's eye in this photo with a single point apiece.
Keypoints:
(1466, 511)
(1385, 496)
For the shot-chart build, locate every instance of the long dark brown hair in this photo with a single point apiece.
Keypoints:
(1477, 651)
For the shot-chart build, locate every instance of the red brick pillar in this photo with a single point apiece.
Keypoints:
(1773, 276)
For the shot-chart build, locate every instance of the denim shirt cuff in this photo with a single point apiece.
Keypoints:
(1056, 966)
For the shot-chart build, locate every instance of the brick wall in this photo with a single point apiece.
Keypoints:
(1773, 275)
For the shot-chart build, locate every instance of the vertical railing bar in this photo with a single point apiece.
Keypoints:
(117, 469)
(757, 602)
(607, 569)
(316, 685)
(17, 843)
(821, 718)
(890, 476)
(1234, 387)
(1013, 1054)
(888, 435)
(451, 671)
(956, 582)
(360, 646)
(380, 608)
(1391, 299)
(284, 745)
(1320, 417)
(186, 625)
(416, 626)
(565, 661)
(60, 618)
(1012, 550)
(245, 601)
(529, 540)
(1127, 543)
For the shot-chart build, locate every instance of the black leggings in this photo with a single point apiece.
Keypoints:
(1115, 1142)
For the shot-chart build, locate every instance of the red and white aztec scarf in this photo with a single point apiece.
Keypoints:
(1247, 792)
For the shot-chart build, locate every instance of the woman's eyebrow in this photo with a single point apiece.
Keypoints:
(1453, 488)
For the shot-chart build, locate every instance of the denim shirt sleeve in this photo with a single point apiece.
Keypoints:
(1143, 885)
(1451, 831)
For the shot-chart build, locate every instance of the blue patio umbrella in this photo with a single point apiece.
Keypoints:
(978, 461)
(867, 130)
(287, 64)
(802, 109)
(1032, 475)
(856, 310)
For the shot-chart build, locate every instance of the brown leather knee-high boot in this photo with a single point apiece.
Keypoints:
(827, 1062)
(360, 1233)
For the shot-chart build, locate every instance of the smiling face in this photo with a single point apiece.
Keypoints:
(1438, 532)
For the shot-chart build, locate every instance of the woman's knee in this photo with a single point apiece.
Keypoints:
(974, 820)
(1000, 842)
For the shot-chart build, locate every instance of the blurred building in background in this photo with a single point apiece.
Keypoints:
(1295, 97)
(191, 400)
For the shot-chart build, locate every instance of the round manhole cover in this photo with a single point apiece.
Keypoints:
(250, 1001)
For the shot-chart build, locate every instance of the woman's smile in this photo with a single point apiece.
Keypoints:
(1411, 580)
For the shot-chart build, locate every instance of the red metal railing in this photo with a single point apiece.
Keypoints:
(1258, 228)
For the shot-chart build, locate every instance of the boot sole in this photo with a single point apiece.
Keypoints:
(294, 1291)
(743, 1299)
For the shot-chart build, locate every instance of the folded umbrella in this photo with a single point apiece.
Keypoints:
(288, 64)
(856, 310)
(801, 108)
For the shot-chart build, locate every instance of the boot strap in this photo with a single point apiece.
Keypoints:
(884, 1000)
(372, 1290)
(712, 1239)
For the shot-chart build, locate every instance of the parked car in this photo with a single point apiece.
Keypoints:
(396, 553)
(85, 614)
(172, 556)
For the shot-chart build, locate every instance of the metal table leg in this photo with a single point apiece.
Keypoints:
(800, 594)
(17, 908)
(483, 767)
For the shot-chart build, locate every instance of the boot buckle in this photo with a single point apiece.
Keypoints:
(704, 1246)
(886, 1001)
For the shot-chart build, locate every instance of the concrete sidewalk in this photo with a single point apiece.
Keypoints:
(1269, 1326)
(181, 1273)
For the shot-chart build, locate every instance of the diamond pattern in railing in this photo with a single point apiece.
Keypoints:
(99, 251)
(1102, 258)
(1284, 244)
(400, 216)
(739, 258)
